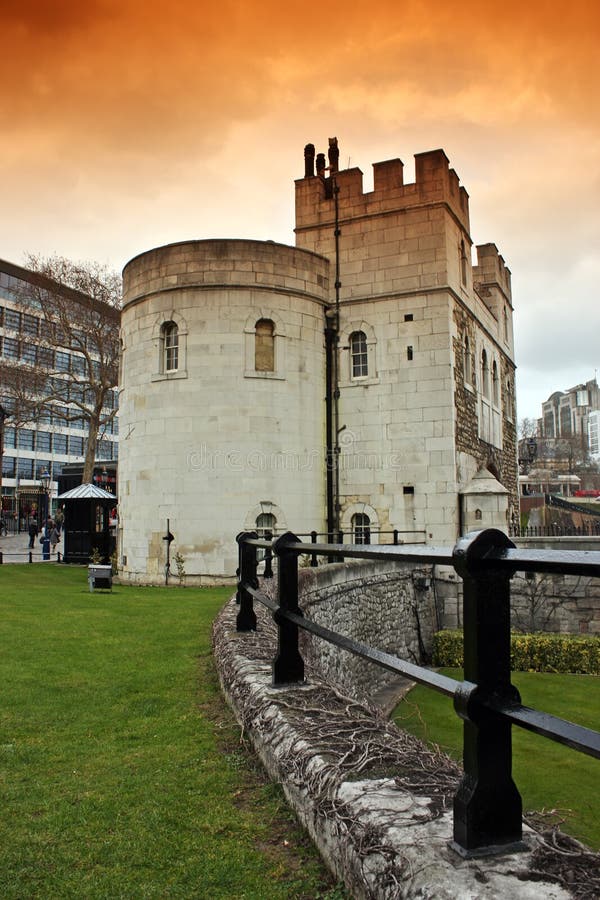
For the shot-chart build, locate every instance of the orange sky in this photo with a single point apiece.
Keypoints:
(128, 124)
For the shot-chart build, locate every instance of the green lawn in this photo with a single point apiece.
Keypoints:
(548, 775)
(122, 773)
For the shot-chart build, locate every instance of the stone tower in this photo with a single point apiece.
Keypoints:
(363, 380)
(425, 381)
(221, 401)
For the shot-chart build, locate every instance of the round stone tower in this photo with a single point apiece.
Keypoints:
(222, 402)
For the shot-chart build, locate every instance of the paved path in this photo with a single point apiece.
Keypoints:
(15, 549)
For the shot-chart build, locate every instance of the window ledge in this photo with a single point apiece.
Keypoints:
(273, 376)
(169, 376)
(362, 381)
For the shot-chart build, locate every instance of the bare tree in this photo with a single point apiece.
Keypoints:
(538, 607)
(72, 368)
(527, 428)
(537, 598)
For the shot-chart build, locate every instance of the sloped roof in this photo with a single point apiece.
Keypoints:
(87, 492)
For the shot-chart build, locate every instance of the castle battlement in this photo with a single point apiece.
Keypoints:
(491, 270)
(435, 183)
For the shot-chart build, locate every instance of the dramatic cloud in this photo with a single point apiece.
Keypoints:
(130, 124)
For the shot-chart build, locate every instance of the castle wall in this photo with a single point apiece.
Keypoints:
(412, 437)
(214, 444)
(237, 430)
(387, 605)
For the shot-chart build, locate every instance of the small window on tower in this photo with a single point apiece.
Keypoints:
(495, 384)
(463, 263)
(170, 347)
(468, 361)
(485, 375)
(358, 354)
(266, 523)
(361, 529)
(264, 346)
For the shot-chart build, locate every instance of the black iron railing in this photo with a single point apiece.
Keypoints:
(589, 529)
(487, 805)
(29, 556)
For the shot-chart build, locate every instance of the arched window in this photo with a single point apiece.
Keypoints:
(264, 346)
(509, 401)
(266, 523)
(485, 375)
(463, 263)
(495, 385)
(468, 362)
(170, 347)
(358, 354)
(361, 529)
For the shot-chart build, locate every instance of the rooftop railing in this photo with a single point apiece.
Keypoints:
(487, 805)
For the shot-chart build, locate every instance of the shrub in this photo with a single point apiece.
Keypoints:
(180, 563)
(578, 654)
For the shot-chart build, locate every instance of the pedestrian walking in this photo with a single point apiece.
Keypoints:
(45, 540)
(54, 536)
(33, 532)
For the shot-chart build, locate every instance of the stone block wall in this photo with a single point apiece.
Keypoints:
(562, 604)
(390, 606)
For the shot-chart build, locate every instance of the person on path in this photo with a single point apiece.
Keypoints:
(45, 540)
(33, 532)
(54, 536)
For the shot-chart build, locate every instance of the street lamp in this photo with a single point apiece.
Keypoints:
(45, 479)
(104, 477)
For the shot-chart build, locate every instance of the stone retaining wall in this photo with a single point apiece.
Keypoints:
(390, 606)
(376, 802)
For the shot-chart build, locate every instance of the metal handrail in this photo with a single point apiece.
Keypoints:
(487, 806)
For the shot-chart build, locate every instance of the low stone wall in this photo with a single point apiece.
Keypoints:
(555, 603)
(563, 604)
(376, 801)
(388, 605)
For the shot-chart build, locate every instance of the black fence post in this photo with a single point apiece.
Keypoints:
(487, 806)
(288, 665)
(268, 572)
(30, 556)
(246, 617)
(395, 537)
(314, 562)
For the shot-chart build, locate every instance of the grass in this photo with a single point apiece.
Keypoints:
(548, 775)
(122, 772)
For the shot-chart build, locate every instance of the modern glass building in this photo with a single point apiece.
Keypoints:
(35, 450)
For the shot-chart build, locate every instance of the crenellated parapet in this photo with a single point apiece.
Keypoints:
(435, 183)
(491, 272)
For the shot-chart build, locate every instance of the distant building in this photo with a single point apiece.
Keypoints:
(47, 444)
(594, 434)
(565, 414)
(362, 380)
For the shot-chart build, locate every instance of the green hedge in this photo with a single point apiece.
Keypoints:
(579, 654)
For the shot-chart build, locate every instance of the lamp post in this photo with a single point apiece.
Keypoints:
(45, 480)
(104, 478)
